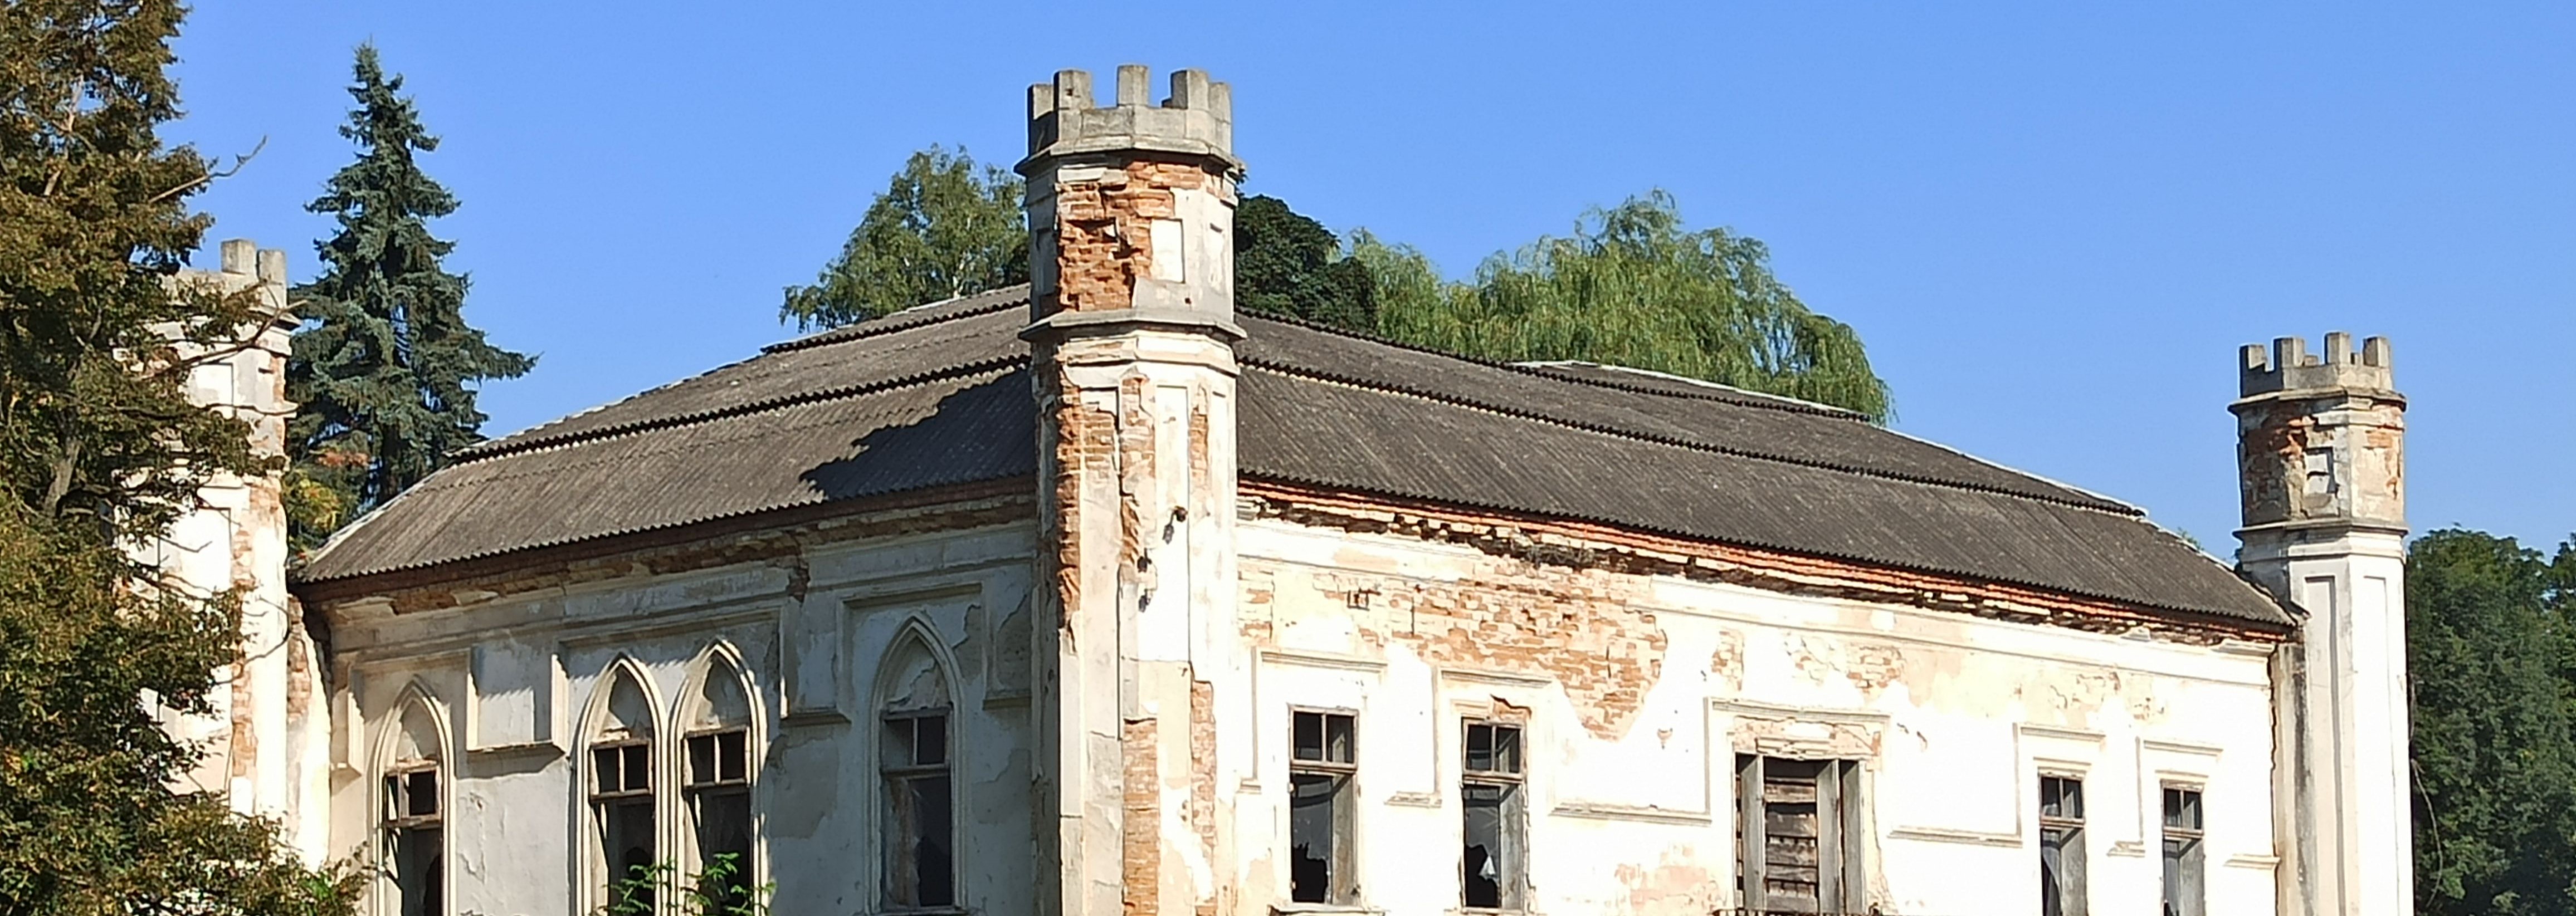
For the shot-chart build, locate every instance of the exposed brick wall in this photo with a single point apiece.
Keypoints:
(1139, 833)
(1104, 228)
(1577, 627)
(1582, 545)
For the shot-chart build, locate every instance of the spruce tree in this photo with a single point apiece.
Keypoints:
(385, 367)
(100, 450)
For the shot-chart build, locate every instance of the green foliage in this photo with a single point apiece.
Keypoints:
(1289, 264)
(1632, 287)
(100, 450)
(2489, 647)
(943, 228)
(717, 891)
(385, 367)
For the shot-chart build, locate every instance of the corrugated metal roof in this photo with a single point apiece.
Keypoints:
(939, 395)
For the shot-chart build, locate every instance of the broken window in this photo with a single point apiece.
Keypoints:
(1799, 835)
(1490, 791)
(621, 802)
(1323, 756)
(2183, 888)
(413, 838)
(2061, 846)
(920, 840)
(719, 800)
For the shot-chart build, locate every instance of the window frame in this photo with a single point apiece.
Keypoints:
(1341, 867)
(2074, 856)
(694, 791)
(892, 778)
(396, 822)
(2190, 864)
(1842, 865)
(1511, 894)
(602, 801)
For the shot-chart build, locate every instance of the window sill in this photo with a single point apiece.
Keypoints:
(923, 911)
(1310, 909)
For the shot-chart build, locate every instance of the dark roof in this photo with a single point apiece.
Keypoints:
(939, 395)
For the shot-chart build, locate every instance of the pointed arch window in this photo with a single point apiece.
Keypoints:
(622, 796)
(716, 784)
(916, 761)
(413, 825)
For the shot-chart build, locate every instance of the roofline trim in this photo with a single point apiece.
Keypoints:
(2107, 507)
(2214, 618)
(892, 499)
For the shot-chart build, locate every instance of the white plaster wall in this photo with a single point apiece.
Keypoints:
(519, 826)
(1960, 714)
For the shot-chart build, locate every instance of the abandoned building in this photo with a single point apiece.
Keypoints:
(1097, 596)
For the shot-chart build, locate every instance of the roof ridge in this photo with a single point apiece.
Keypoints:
(747, 407)
(2112, 508)
(1004, 298)
(1756, 402)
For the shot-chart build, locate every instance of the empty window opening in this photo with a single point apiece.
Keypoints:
(1323, 756)
(921, 863)
(719, 801)
(2183, 866)
(621, 802)
(414, 831)
(2319, 467)
(1494, 856)
(1798, 830)
(2061, 846)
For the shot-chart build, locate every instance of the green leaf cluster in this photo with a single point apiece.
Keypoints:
(2491, 659)
(1286, 263)
(720, 889)
(1632, 287)
(944, 227)
(385, 368)
(100, 450)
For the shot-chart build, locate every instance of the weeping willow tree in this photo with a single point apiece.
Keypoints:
(1631, 287)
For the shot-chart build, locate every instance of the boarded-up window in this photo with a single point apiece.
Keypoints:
(1323, 757)
(920, 866)
(1798, 835)
(621, 800)
(413, 839)
(1495, 856)
(2061, 846)
(2183, 867)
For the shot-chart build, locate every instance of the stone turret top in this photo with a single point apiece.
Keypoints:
(1197, 119)
(2289, 367)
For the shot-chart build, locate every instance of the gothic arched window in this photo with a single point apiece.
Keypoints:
(621, 789)
(716, 738)
(414, 804)
(917, 747)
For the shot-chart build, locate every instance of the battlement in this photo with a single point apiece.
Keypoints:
(2288, 366)
(1196, 119)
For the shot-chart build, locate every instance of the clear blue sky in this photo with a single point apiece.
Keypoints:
(2052, 223)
